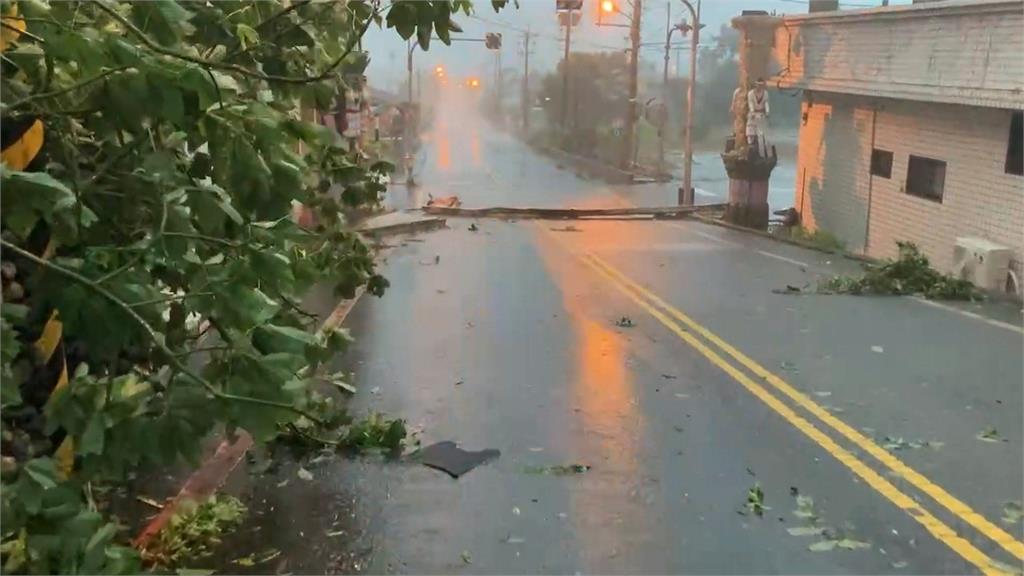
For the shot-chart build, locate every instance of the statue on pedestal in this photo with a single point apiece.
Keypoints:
(757, 118)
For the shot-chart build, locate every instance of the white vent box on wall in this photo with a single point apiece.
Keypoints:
(983, 262)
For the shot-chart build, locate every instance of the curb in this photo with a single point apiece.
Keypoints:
(790, 241)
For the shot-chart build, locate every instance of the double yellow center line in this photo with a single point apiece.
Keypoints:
(716, 350)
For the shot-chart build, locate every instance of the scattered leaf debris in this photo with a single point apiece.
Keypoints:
(150, 502)
(822, 546)
(558, 470)
(805, 530)
(473, 227)
(624, 322)
(990, 434)
(894, 444)
(1012, 512)
(755, 500)
(194, 532)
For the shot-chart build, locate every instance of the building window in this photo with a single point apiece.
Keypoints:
(1015, 148)
(881, 163)
(926, 177)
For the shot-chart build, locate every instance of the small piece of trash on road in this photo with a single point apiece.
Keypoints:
(466, 557)
(569, 228)
(516, 511)
(822, 394)
(878, 349)
(535, 449)
(624, 322)
(682, 395)
(451, 459)
(515, 540)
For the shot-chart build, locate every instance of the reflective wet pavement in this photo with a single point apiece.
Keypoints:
(507, 338)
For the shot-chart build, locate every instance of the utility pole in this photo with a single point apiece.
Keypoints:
(634, 55)
(565, 71)
(664, 85)
(408, 67)
(526, 82)
(686, 192)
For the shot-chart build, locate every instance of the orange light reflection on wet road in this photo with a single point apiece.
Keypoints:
(607, 427)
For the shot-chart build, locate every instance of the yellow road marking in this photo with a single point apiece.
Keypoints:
(933, 525)
(916, 479)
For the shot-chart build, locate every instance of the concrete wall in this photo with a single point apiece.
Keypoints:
(953, 51)
(837, 193)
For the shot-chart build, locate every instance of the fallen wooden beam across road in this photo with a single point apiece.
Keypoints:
(659, 212)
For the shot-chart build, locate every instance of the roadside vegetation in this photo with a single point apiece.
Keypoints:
(911, 273)
(154, 224)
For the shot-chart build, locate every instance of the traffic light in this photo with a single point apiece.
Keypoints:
(439, 70)
(492, 40)
(562, 5)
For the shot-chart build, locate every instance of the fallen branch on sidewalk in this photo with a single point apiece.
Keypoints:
(660, 212)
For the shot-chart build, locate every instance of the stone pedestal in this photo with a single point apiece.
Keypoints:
(748, 187)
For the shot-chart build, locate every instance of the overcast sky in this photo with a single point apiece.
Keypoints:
(388, 51)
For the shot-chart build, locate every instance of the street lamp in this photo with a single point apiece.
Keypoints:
(685, 197)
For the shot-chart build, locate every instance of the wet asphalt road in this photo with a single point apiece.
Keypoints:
(509, 341)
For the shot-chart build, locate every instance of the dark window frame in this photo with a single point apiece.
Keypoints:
(924, 176)
(1015, 145)
(881, 163)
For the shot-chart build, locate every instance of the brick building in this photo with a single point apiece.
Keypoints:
(911, 125)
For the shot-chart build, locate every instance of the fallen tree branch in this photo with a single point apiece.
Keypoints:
(660, 212)
(152, 334)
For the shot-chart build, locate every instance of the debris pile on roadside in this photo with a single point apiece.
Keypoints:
(910, 274)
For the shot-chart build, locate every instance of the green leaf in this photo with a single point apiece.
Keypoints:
(42, 471)
(165, 20)
(247, 35)
(805, 530)
(851, 544)
(93, 436)
(30, 196)
(822, 546)
(402, 17)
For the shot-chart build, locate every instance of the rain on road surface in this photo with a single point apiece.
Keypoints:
(509, 341)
